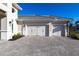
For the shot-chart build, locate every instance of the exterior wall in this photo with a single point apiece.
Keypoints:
(3, 23)
(37, 30)
(15, 25)
(50, 29)
(3, 30)
(66, 30)
(22, 29)
(3, 7)
(11, 17)
(6, 23)
(25, 31)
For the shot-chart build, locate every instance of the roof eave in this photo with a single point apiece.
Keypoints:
(2, 13)
(16, 6)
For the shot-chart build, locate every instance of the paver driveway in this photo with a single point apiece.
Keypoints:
(40, 46)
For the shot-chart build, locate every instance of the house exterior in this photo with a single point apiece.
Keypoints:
(8, 16)
(11, 24)
(42, 26)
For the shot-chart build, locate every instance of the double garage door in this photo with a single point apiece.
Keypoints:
(36, 30)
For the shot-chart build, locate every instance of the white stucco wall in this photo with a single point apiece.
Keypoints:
(23, 29)
(66, 33)
(3, 30)
(3, 7)
(9, 18)
(6, 28)
(20, 29)
(54, 29)
(12, 17)
(50, 28)
(15, 25)
(3, 23)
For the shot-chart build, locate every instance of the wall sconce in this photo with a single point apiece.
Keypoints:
(10, 22)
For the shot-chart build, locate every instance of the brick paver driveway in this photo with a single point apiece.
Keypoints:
(40, 46)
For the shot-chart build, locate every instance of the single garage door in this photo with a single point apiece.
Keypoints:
(36, 30)
(59, 30)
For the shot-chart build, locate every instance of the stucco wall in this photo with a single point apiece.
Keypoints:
(11, 17)
(15, 25)
(3, 7)
(6, 24)
(3, 23)
(3, 30)
(23, 29)
(50, 29)
(20, 29)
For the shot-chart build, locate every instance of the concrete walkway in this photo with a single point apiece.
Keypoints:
(40, 46)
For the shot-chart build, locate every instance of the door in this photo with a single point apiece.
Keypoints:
(36, 30)
(58, 30)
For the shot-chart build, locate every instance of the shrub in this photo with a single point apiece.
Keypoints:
(16, 36)
(74, 34)
(77, 36)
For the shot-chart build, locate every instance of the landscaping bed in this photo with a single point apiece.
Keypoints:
(16, 36)
(74, 34)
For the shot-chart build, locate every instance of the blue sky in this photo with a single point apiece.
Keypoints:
(69, 10)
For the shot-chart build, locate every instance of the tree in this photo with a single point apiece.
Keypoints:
(77, 23)
(77, 26)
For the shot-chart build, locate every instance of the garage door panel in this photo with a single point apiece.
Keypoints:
(41, 31)
(58, 30)
(31, 30)
(36, 30)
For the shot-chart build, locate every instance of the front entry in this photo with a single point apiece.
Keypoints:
(36, 30)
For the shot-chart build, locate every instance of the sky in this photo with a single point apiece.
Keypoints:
(69, 10)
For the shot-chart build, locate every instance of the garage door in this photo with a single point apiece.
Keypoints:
(58, 30)
(36, 30)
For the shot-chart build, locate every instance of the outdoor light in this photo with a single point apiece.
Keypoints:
(10, 22)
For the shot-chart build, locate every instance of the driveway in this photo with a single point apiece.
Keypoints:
(40, 46)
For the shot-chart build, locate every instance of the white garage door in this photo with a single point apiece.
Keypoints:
(36, 30)
(58, 30)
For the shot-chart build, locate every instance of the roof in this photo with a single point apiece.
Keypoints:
(16, 6)
(40, 19)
